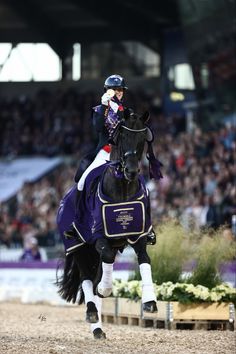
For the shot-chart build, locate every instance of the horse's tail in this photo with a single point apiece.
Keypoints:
(78, 266)
(69, 282)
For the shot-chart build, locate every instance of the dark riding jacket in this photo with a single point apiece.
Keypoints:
(100, 115)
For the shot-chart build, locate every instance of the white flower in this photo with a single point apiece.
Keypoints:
(168, 291)
(215, 296)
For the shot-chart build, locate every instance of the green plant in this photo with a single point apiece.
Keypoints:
(170, 253)
(174, 247)
(209, 254)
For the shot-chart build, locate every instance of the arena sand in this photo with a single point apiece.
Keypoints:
(36, 329)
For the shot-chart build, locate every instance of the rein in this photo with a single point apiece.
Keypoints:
(134, 130)
(119, 165)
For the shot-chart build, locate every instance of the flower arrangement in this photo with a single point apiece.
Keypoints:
(176, 247)
(182, 292)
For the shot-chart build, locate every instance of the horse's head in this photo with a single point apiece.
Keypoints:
(130, 141)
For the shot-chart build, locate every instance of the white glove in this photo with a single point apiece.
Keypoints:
(106, 98)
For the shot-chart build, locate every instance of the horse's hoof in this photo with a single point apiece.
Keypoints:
(91, 313)
(150, 306)
(99, 334)
(103, 292)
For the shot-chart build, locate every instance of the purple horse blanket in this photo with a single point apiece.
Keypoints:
(97, 216)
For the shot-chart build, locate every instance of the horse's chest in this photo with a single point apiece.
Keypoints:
(120, 193)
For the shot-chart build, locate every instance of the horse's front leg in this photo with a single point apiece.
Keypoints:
(148, 293)
(107, 256)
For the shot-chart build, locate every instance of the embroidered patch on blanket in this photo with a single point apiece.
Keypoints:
(123, 219)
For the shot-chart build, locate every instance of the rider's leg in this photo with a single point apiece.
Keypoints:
(107, 255)
(99, 160)
(148, 293)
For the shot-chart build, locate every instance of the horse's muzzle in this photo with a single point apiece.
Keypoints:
(131, 175)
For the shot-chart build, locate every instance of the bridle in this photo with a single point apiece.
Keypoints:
(121, 164)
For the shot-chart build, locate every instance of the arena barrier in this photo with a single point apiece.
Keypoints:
(34, 282)
(170, 315)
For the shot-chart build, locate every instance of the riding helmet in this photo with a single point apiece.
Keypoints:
(115, 81)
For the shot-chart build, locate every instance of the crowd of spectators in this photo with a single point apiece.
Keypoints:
(32, 213)
(198, 185)
(199, 178)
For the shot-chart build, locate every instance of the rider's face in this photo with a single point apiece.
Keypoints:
(119, 92)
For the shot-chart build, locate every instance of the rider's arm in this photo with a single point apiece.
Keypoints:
(99, 115)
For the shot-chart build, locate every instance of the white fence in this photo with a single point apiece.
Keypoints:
(33, 282)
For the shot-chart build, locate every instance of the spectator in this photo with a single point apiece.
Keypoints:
(31, 251)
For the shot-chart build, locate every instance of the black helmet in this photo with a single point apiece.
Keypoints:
(115, 81)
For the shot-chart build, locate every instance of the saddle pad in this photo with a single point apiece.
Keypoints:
(123, 219)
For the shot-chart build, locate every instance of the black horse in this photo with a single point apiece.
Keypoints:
(112, 213)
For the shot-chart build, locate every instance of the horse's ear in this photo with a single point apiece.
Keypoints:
(145, 117)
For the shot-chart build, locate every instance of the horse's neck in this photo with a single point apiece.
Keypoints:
(118, 189)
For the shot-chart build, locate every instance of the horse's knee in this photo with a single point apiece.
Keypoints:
(143, 257)
(141, 252)
(107, 253)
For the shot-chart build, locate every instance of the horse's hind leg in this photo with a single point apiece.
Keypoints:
(96, 328)
(148, 293)
(89, 298)
(87, 259)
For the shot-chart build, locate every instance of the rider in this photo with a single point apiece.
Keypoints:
(106, 117)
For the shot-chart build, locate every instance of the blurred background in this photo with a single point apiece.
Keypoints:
(178, 60)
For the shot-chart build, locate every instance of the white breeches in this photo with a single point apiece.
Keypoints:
(101, 158)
